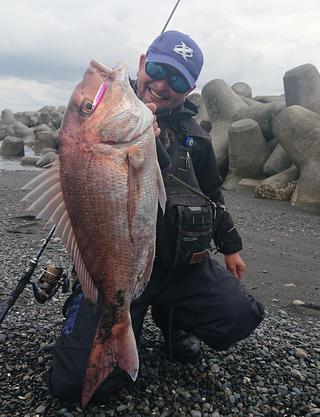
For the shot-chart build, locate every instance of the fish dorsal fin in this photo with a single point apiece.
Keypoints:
(48, 201)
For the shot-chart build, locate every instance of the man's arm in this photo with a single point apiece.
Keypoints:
(225, 236)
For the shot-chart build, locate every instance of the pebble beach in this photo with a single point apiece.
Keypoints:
(275, 372)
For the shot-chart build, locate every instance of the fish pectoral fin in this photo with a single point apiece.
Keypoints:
(119, 349)
(48, 202)
(135, 162)
(135, 157)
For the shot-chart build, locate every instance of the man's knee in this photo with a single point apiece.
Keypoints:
(236, 322)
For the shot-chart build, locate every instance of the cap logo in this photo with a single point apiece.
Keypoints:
(183, 50)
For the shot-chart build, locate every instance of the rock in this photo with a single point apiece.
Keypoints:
(300, 353)
(47, 159)
(12, 147)
(283, 389)
(195, 413)
(298, 131)
(298, 303)
(248, 150)
(242, 89)
(41, 409)
(296, 373)
(302, 87)
(283, 313)
(120, 408)
(214, 368)
(47, 347)
(221, 103)
(3, 338)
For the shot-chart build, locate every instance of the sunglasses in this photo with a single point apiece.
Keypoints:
(159, 72)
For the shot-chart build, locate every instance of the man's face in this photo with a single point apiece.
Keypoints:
(157, 91)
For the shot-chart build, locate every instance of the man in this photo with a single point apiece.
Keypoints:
(192, 297)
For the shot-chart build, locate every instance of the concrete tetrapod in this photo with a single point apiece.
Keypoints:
(277, 162)
(221, 103)
(7, 117)
(302, 87)
(202, 117)
(12, 147)
(248, 150)
(263, 114)
(242, 89)
(298, 131)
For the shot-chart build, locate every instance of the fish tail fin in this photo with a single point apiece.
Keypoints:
(108, 352)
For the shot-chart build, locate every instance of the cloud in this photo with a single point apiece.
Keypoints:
(45, 47)
(18, 94)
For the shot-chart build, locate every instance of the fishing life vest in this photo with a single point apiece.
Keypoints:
(185, 230)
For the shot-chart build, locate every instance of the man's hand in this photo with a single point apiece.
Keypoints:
(156, 128)
(235, 264)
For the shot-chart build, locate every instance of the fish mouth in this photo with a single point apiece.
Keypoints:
(119, 72)
(101, 67)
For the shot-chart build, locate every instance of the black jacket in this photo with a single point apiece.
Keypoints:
(180, 123)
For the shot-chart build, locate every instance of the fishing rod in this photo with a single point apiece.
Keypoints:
(169, 18)
(51, 279)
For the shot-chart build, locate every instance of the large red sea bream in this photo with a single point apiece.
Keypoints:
(103, 198)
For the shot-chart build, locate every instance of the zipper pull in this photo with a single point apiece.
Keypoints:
(188, 161)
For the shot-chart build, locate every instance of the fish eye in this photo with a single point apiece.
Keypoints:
(86, 107)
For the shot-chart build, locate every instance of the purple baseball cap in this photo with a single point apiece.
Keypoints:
(178, 50)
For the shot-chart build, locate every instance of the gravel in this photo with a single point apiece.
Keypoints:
(275, 372)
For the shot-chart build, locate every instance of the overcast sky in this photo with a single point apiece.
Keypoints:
(46, 45)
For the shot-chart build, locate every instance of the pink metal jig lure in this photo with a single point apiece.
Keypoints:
(99, 95)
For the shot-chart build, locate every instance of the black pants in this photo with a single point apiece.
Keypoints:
(204, 300)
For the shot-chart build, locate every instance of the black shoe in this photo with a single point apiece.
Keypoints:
(183, 347)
